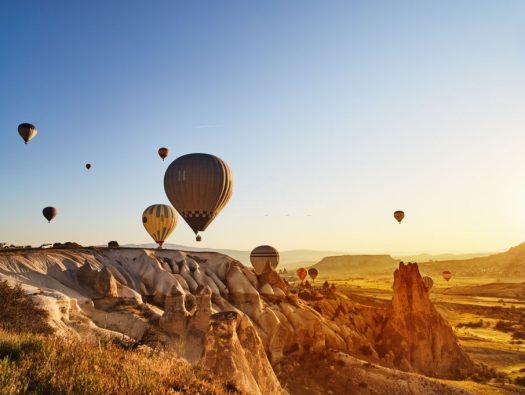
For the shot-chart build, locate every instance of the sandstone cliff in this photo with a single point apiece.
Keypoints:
(415, 335)
(218, 313)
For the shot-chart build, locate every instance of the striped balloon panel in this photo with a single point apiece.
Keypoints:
(198, 186)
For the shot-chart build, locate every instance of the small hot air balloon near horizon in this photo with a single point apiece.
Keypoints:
(163, 152)
(447, 275)
(313, 273)
(50, 213)
(88, 166)
(262, 256)
(159, 220)
(27, 131)
(302, 273)
(399, 215)
(198, 186)
(428, 281)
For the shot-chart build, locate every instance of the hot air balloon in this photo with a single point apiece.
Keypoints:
(447, 275)
(50, 213)
(399, 215)
(301, 273)
(88, 166)
(429, 283)
(313, 273)
(160, 221)
(27, 131)
(163, 152)
(198, 238)
(262, 256)
(198, 186)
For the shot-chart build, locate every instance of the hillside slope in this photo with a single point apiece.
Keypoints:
(216, 313)
(509, 265)
(353, 265)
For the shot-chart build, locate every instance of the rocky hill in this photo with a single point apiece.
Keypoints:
(509, 265)
(352, 265)
(256, 330)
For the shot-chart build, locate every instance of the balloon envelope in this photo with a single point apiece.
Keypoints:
(198, 186)
(313, 272)
(262, 256)
(429, 283)
(301, 273)
(49, 213)
(159, 220)
(88, 166)
(399, 215)
(447, 275)
(163, 152)
(27, 131)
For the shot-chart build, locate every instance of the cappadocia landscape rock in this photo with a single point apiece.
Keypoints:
(262, 198)
(256, 330)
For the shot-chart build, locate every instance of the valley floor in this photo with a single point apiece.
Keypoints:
(490, 328)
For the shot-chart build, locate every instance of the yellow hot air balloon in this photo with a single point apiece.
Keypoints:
(262, 256)
(198, 186)
(399, 215)
(159, 220)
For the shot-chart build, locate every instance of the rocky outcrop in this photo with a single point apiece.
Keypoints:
(415, 335)
(102, 282)
(170, 297)
(234, 351)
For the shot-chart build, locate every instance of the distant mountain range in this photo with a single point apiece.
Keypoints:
(293, 259)
(505, 266)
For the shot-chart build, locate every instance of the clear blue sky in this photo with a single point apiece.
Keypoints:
(335, 113)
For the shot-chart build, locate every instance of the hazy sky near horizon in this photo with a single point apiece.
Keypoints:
(331, 114)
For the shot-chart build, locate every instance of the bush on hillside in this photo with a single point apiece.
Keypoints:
(47, 365)
(19, 312)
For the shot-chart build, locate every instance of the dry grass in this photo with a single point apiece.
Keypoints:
(19, 313)
(47, 365)
(33, 362)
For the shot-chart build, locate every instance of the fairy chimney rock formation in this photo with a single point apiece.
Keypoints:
(416, 334)
(234, 350)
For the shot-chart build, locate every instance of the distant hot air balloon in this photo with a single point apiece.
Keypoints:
(163, 152)
(198, 238)
(447, 275)
(27, 131)
(50, 213)
(313, 273)
(88, 166)
(399, 215)
(198, 186)
(429, 283)
(160, 221)
(262, 256)
(301, 273)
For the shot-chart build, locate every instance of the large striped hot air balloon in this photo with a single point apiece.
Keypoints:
(159, 220)
(262, 256)
(447, 275)
(27, 131)
(198, 186)
(399, 215)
